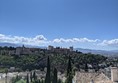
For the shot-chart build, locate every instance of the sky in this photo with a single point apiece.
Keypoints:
(91, 24)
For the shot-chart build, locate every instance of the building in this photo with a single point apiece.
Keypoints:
(71, 48)
(114, 74)
(99, 77)
(60, 49)
(50, 48)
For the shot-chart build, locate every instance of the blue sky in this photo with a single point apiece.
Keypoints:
(61, 21)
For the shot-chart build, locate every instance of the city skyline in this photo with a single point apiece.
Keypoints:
(80, 23)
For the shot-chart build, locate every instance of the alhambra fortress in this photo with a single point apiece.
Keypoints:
(25, 50)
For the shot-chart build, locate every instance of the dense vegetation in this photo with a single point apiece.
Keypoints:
(32, 78)
(64, 62)
(57, 59)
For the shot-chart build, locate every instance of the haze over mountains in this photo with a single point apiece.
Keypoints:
(9, 44)
(102, 52)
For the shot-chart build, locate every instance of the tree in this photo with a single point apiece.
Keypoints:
(27, 80)
(59, 81)
(42, 81)
(55, 76)
(69, 72)
(39, 81)
(47, 79)
(31, 76)
(34, 76)
(69, 68)
(6, 71)
(86, 67)
(15, 79)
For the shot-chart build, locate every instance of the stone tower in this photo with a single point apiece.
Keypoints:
(71, 48)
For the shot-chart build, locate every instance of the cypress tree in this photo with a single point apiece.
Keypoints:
(47, 79)
(34, 76)
(6, 71)
(39, 81)
(31, 76)
(42, 81)
(17, 78)
(55, 76)
(86, 67)
(69, 72)
(59, 81)
(27, 81)
(69, 68)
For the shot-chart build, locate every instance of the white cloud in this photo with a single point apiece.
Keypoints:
(73, 40)
(39, 39)
(113, 42)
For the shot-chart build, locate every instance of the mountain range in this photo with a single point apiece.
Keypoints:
(102, 52)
